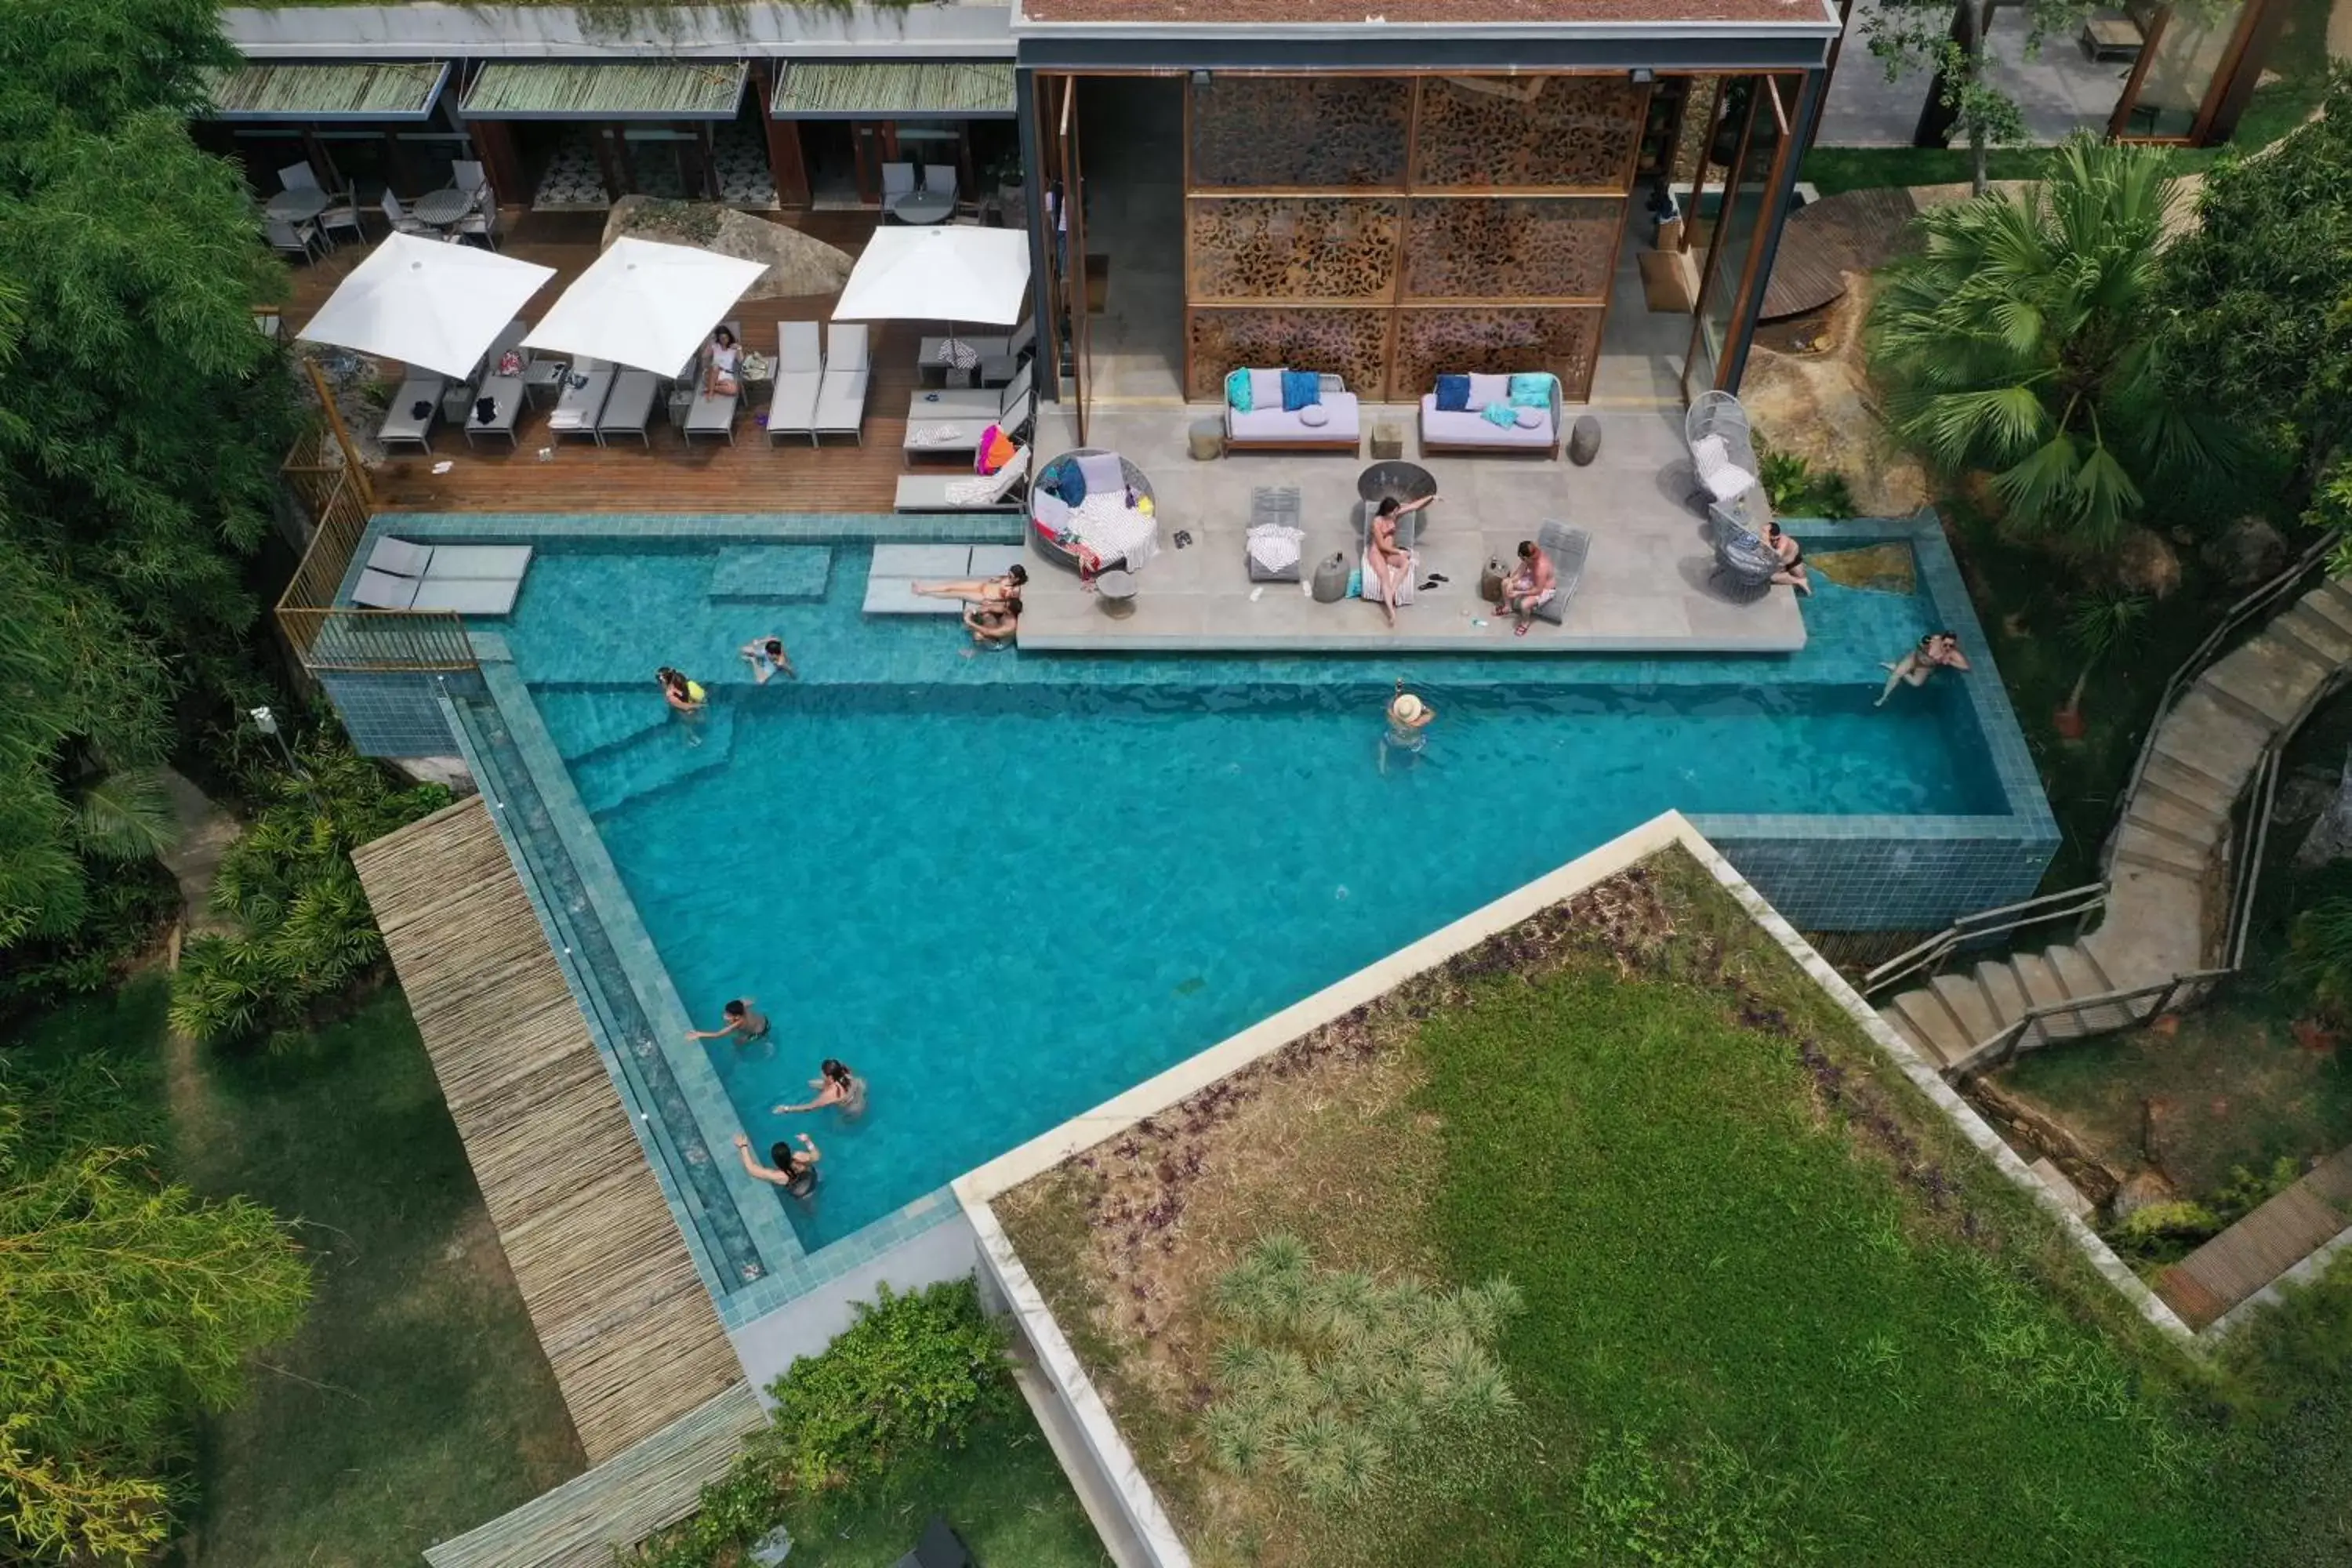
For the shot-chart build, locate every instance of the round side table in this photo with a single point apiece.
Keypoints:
(1116, 589)
(1208, 439)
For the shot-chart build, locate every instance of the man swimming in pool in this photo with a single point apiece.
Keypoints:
(995, 590)
(742, 1025)
(767, 656)
(994, 626)
(1936, 651)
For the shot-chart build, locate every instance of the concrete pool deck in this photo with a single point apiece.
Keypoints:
(1645, 588)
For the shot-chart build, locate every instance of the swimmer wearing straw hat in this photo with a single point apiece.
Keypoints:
(1409, 717)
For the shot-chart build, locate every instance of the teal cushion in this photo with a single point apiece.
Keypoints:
(1499, 414)
(1237, 392)
(1531, 391)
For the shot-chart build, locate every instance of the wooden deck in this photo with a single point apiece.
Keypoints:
(581, 476)
(2250, 1254)
(625, 1319)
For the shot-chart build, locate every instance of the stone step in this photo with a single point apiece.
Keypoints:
(2163, 931)
(2330, 602)
(2212, 740)
(2043, 987)
(2084, 978)
(2269, 678)
(1937, 1034)
(2324, 639)
(1894, 1020)
(2003, 989)
(1969, 1004)
(2144, 847)
(2189, 787)
(2194, 828)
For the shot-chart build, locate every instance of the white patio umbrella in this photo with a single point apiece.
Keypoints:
(943, 273)
(645, 304)
(427, 302)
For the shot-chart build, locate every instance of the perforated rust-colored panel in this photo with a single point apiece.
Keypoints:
(1294, 247)
(1285, 131)
(1508, 132)
(1511, 248)
(1353, 344)
(1464, 340)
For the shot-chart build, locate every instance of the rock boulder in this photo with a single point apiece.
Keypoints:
(797, 264)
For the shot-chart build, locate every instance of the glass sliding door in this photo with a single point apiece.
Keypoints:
(1760, 109)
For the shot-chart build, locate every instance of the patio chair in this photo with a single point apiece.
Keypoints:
(841, 395)
(397, 215)
(1744, 563)
(481, 221)
(1722, 453)
(403, 426)
(300, 177)
(468, 177)
(713, 412)
(343, 211)
(629, 408)
(940, 180)
(953, 426)
(949, 491)
(1274, 506)
(580, 405)
(1568, 548)
(800, 373)
(292, 238)
(898, 180)
(996, 369)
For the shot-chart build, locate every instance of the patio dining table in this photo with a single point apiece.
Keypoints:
(442, 207)
(300, 204)
(921, 207)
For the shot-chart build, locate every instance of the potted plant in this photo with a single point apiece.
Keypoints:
(2099, 624)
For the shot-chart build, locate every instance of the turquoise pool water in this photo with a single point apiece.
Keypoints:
(1004, 887)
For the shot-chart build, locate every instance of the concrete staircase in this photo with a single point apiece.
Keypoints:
(2164, 908)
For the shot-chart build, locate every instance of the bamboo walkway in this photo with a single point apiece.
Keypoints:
(618, 1503)
(2250, 1254)
(624, 1317)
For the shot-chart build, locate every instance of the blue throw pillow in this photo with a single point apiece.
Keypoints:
(1452, 394)
(1499, 414)
(1300, 389)
(1061, 479)
(1531, 391)
(1237, 390)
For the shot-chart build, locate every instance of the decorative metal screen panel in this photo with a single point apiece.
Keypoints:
(1293, 247)
(1334, 340)
(1524, 248)
(1464, 339)
(1287, 131)
(1516, 132)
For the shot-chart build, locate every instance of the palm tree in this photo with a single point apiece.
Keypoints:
(2021, 341)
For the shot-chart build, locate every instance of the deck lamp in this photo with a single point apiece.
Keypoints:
(267, 722)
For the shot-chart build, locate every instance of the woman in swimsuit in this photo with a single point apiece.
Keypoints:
(1791, 574)
(794, 1169)
(834, 1085)
(686, 696)
(1936, 651)
(1390, 562)
(725, 358)
(979, 590)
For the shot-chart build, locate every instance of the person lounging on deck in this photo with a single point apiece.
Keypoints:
(978, 590)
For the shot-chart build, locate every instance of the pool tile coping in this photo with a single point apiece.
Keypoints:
(976, 1189)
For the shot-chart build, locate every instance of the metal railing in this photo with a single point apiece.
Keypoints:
(2077, 904)
(2001, 1046)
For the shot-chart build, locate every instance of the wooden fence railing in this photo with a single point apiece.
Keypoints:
(325, 474)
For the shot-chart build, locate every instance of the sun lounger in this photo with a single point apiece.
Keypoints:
(476, 561)
(1568, 548)
(983, 403)
(713, 412)
(383, 591)
(800, 372)
(400, 558)
(629, 408)
(581, 403)
(403, 425)
(507, 399)
(841, 395)
(947, 491)
(927, 353)
(957, 433)
(897, 568)
(469, 596)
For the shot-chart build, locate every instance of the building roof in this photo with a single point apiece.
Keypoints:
(264, 89)
(891, 89)
(1367, 18)
(619, 89)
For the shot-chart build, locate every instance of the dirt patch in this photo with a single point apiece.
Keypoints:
(1817, 403)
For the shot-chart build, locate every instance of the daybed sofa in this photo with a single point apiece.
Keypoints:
(1467, 428)
(1333, 423)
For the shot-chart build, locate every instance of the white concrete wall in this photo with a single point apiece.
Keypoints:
(804, 1326)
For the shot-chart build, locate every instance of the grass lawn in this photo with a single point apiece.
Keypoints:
(414, 1403)
(1777, 1310)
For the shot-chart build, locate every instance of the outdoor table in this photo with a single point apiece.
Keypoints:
(441, 208)
(1748, 556)
(1114, 590)
(1395, 481)
(300, 204)
(542, 381)
(922, 208)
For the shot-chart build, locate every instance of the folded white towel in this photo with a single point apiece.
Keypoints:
(1724, 480)
(1274, 546)
(971, 491)
(936, 435)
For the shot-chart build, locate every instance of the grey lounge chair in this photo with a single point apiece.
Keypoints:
(937, 490)
(800, 372)
(629, 408)
(841, 395)
(383, 591)
(1568, 548)
(507, 394)
(962, 402)
(957, 433)
(580, 405)
(400, 558)
(1275, 506)
(403, 424)
(713, 412)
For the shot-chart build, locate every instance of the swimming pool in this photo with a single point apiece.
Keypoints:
(1005, 887)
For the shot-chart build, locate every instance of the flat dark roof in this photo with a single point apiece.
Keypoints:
(1368, 15)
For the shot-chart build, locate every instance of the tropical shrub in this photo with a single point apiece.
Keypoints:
(1796, 488)
(126, 911)
(1331, 1376)
(2320, 955)
(305, 932)
(2020, 342)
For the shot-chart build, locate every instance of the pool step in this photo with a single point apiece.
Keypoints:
(770, 573)
(656, 759)
(596, 719)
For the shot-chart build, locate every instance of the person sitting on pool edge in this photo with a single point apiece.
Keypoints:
(834, 1085)
(794, 1169)
(1004, 585)
(1936, 651)
(1791, 574)
(1529, 586)
(766, 656)
(742, 1025)
(686, 696)
(994, 626)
